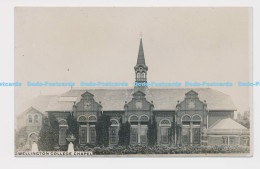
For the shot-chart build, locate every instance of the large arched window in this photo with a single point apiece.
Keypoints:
(165, 125)
(113, 131)
(87, 130)
(143, 120)
(82, 129)
(191, 128)
(133, 119)
(62, 131)
(138, 132)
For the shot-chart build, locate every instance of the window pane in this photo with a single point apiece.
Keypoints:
(196, 123)
(30, 118)
(144, 134)
(92, 135)
(113, 135)
(225, 140)
(196, 135)
(164, 135)
(186, 123)
(35, 119)
(186, 136)
(83, 135)
(134, 136)
(62, 135)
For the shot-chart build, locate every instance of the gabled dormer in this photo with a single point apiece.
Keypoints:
(88, 105)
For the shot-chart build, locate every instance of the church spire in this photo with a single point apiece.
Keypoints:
(141, 68)
(140, 59)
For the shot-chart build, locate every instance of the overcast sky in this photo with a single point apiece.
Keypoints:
(101, 44)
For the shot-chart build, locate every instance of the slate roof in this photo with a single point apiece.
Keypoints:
(163, 99)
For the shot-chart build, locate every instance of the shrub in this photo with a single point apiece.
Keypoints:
(142, 149)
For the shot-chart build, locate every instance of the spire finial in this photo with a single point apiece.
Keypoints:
(141, 35)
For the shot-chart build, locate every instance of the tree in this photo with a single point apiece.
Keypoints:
(152, 132)
(102, 130)
(244, 119)
(46, 137)
(55, 126)
(172, 131)
(124, 134)
(73, 127)
(20, 138)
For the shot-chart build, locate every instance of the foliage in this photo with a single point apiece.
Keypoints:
(55, 126)
(244, 119)
(124, 134)
(102, 130)
(245, 123)
(152, 132)
(73, 127)
(139, 149)
(46, 140)
(20, 138)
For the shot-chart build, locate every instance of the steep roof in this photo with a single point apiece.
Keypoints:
(163, 99)
(140, 59)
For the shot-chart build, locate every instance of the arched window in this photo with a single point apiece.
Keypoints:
(92, 118)
(133, 118)
(114, 122)
(144, 118)
(191, 129)
(62, 122)
(33, 137)
(62, 131)
(134, 129)
(143, 75)
(36, 120)
(165, 122)
(196, 118)
(82, 119)
(30, 120)
(186, 118)
(113, 131)
(165, 125)
(138, 75)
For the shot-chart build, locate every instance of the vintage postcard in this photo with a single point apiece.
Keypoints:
(133, 81)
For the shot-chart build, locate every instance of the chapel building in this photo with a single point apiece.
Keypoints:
(201, 116)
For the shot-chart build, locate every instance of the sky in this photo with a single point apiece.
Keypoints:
(101, 44)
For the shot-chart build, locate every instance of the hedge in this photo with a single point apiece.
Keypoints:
(139, 149)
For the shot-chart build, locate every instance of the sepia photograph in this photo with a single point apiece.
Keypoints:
(133, 82)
